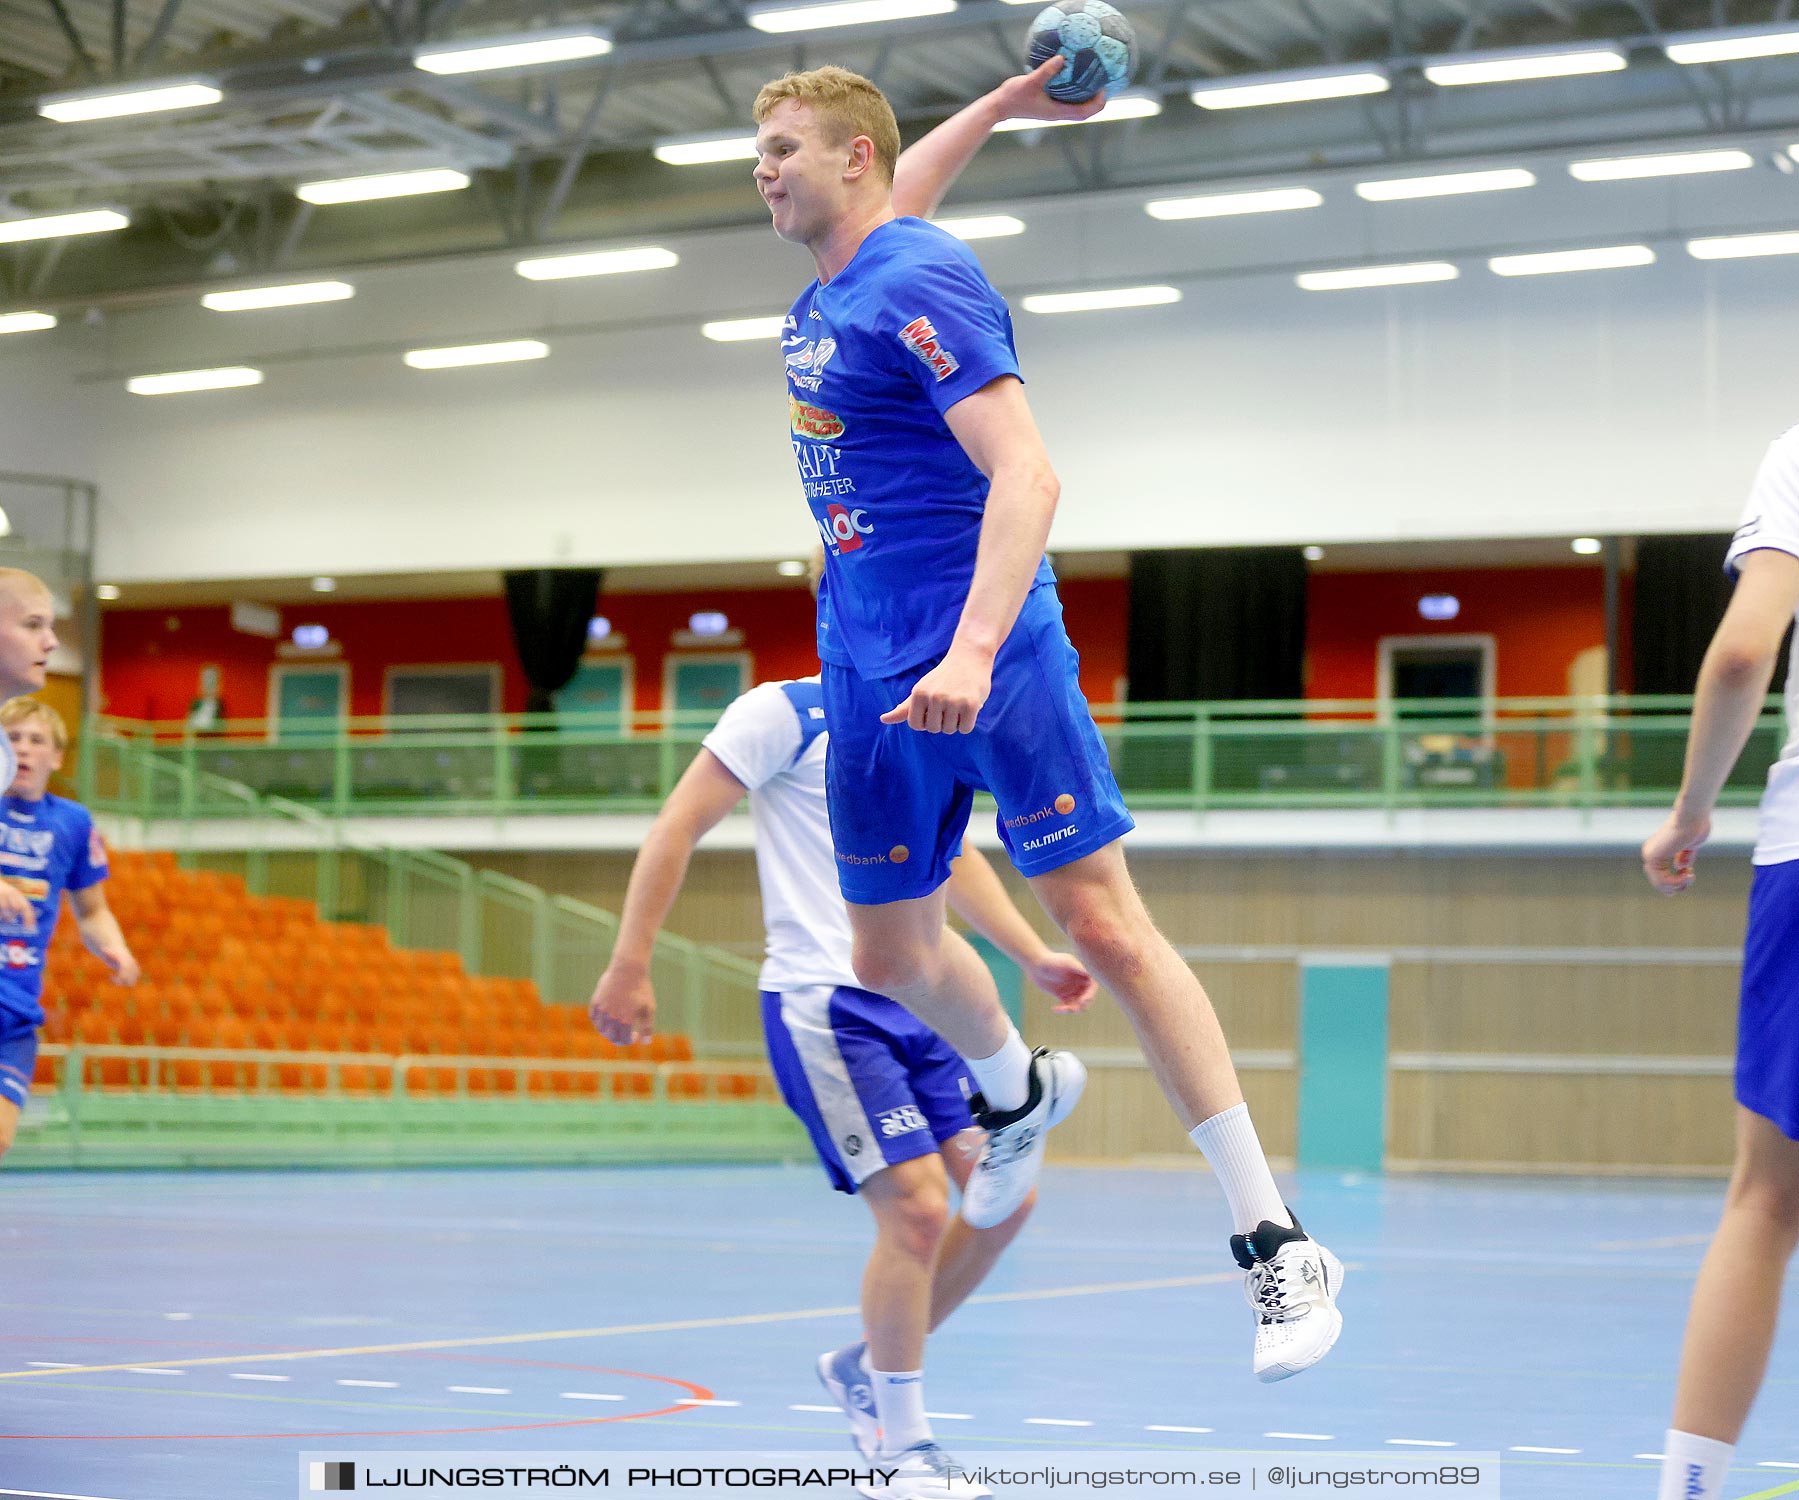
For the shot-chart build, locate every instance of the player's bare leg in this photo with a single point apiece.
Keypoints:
(1292, 1281)
(1736, 1304)
(9, 1124)
(903, 950)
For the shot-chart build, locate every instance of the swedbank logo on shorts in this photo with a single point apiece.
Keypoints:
(1061, 807)
(813, 421)
(897, 855)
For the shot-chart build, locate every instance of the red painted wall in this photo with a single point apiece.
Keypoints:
(151, 658)
(1540, 619)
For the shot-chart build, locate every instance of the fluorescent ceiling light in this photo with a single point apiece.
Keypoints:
(783, 18)
(981, 226)
(1218, 205)
(26, 322)
(1130, 296)
(178, 382)
(701, 150)
(109, 104)
(476, 354)
(1676, 164)
(1604, 258)
(383, 185)
(1512, 67)
(1742, 246)
(1730, 46)
(1364, 276)
(324, 585)
(54, 226)
(1120, 107)
(1291, 88)
(1586, 546)
(1313, 554)
(516, 52)
(791, 568)
(1389, 189)
(294, 294)
(598, 263)
(736, 330)
(106, 591)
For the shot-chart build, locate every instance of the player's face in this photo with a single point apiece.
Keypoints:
(38, 758)
(799, 173)
(27, 637)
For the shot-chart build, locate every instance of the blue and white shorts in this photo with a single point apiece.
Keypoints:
(900, 798)
(18, 1060)
(1768, 1018)
(871, 1082)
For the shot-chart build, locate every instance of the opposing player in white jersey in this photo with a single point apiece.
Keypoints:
(1737, 1300)
(884, 1098)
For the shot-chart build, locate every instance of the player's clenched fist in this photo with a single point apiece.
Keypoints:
(15, 906)
(623, 1008)
(947, 699)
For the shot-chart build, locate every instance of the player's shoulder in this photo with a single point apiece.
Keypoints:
(779, 704)
(1784, 450)
(916, 247)
(66, 812)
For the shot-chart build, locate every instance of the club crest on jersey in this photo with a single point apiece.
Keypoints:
(813, 421)
(921, 338)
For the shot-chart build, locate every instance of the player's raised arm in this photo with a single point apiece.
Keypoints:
(623, 1006)
(1733, 685)
(979, 899)
(999, 435)
(929, 167)
(101, 934)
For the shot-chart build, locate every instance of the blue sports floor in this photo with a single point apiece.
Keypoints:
(213, 1325)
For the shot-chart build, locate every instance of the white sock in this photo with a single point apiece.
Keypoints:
(1230, 1145)
(899, 1404)
(1005, 1078)
(1693, 1467)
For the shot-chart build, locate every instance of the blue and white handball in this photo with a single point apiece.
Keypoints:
(1097, 43)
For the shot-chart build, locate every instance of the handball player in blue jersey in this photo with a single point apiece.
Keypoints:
(48, 845)
(947, 668)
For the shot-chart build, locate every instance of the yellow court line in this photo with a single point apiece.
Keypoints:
(1779, 1489)
(744, 1320)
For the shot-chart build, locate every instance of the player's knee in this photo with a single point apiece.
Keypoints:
(1106, 938)
(916, 1221)
(1773, 1197)
(888, 968)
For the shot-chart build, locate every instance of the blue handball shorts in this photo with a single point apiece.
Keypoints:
(1768, 1020)
(900, 798)
(871, 1082)
(18, 1060)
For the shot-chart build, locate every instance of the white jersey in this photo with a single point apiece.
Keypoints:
(9, 763)
(772, 739)
(1771, 520)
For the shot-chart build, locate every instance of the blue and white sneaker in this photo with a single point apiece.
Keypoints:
(923, 1472)
(1013, 1156)
(847, 1383)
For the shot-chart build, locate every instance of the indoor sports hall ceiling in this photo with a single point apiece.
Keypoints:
(561, 154)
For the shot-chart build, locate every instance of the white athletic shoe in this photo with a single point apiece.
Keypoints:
(924, 1472)
(1010, 1161)
(1292, 1289)
(841, 1374)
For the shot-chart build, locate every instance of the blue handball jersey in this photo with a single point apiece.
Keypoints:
(46, 848)
(875, 358)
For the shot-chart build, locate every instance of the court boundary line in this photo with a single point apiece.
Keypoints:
(682, 1325)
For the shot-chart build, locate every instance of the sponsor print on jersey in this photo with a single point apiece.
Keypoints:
(18, 956)
(844, 529)
(813, 422)
(921, 338)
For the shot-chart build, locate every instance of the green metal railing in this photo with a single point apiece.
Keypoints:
(499, 926)
(1582, 753)
(175, 1112)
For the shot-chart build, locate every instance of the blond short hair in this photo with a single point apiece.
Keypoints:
(846, 103)
(23, 710)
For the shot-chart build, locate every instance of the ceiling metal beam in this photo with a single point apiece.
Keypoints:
(159, 33)
(83, 57)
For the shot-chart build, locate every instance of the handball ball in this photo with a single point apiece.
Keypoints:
(1097, 44)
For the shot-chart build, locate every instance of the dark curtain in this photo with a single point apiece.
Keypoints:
(1217, 623)
(1681, 593)
(550, 609)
